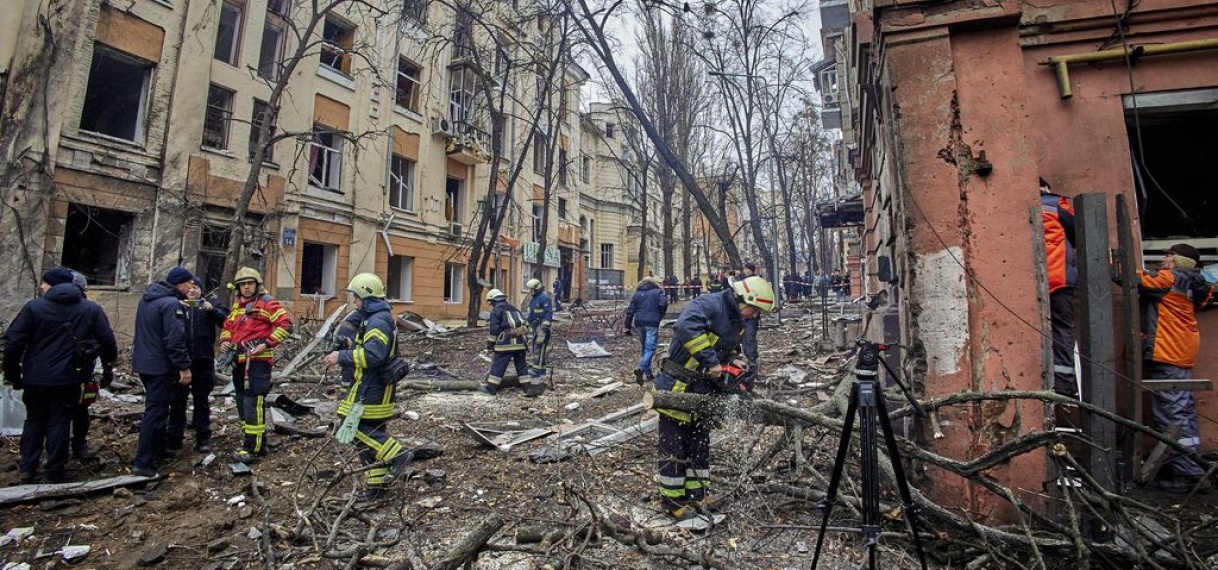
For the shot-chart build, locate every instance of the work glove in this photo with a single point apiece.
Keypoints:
(107, 376)
(490, 345)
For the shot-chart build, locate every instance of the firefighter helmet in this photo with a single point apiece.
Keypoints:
(247, 274)
(533, 284)
(755, 291)
(495, 295)
(367, 285)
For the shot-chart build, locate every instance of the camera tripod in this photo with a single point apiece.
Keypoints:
(867, 400)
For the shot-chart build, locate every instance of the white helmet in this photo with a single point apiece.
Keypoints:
(533, 284)
(495, 295)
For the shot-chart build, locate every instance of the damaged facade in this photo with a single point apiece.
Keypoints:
(949, 113)
(128, 132)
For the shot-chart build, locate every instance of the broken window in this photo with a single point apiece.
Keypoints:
(415, 10)
(452, 202)
(562, 167)
(401, 277)
(562, 208)
(537, 222)
(452, 282)
(262, 112)
(463, 34)
(326, 159)
(1172, 145)
(217, 118)
(213, 245)
(337, 39)
(117, 94)
(607, 256)
(318, 268)
(401, 183)
(408, 87)
(278, 7)
(463, 95)
(271, 52)
(97, 242)
(228, 33)
(539, 152)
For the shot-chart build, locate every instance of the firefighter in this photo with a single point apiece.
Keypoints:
(47, 355)
(1170, 345)
(643, 316)
(507, 338)
(373, 347)
(703, 358)
(748, 342)
(541, 312)
(256, 324)
(1057, 217)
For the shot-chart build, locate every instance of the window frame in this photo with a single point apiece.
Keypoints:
(121, 250)
(269, 69)
(269, 156)
(402, 185)
(329, 269)
(234, 58)
(537, 216)
(453, 279)
(415, 84)
(607, 252)
(340, 46)
(585, 173)
(332, 156)
(141, 114)
(404, 278)
(225, 114)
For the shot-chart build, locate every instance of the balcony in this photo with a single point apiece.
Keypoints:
(468, 144)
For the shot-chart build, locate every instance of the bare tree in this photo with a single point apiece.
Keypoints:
(591, 21)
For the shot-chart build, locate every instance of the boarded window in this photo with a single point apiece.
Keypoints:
(337, 39)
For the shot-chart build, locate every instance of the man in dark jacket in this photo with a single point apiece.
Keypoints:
(507, 336)
(159, 355)
(646, 310)
(203, 319)
(541, 313)
(88, 392)
(703, 358)
(47, 354)
(370, 396)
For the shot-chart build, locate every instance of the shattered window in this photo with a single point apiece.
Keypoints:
(117, 94)
(401, 183)
(228, 33)
(408, 87)
(401, 269)
(326, 159)
(218, 117)
(97, 243)
(262, 111)
(337, 39)
(452, 282)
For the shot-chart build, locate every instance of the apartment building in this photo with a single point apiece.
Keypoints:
(378, 157)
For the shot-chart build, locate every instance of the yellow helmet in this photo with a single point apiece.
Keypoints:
(755, 291)
(247, 274)
(495, 295)
(533, 284)
(367, 285)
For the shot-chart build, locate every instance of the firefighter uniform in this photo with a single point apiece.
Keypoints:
(1057, 217)
(375, 345)
(1170, 345)
(507, 338)
(541, 312)
(252, 321)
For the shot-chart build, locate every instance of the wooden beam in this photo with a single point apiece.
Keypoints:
(1129, 392)
(1096, 328)
(1192, 384)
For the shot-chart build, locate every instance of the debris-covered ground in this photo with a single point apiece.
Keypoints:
(560, 481)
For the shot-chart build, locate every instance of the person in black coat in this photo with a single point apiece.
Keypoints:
(88, 393)
(203, 319)
(643, 316)
(159, 355)
(49, 352)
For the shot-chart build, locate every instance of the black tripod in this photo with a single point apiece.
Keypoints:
(867, 396)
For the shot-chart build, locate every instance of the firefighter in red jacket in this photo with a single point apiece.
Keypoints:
(1057, 216)
(1170, 345)
(256, 324)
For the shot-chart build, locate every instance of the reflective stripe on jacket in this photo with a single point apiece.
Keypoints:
(1057, 215)
(375, 345)
(1170, 322)
(507, 328)
(707, 333)
(260, 319)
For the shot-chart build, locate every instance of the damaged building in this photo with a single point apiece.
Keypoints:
(949, 113)
(129, 130)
